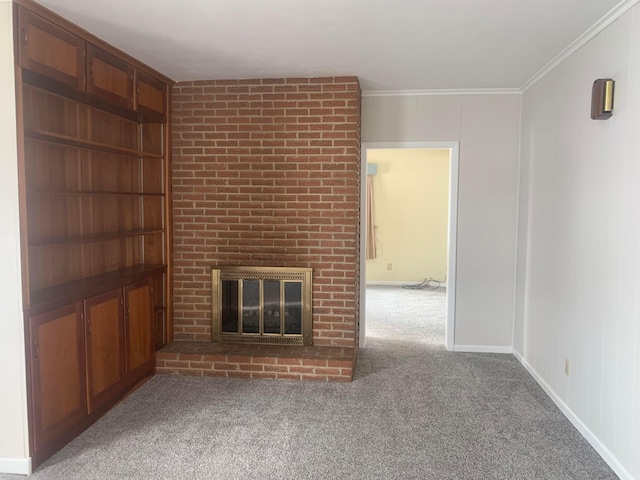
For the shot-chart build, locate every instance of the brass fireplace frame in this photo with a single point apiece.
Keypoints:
(283, 274)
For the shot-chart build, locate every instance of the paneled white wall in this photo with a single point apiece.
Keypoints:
(578, 281)
(13, 415)
(487, 127)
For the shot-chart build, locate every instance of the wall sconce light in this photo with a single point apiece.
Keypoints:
(602, 99)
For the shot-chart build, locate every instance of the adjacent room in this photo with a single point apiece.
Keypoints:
(359, 240)
(407, 235)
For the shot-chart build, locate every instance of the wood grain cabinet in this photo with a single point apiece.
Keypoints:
(105, 348)
(84, 355)
(94, 178)
(109, 77)
(50, 50)
(139, 349)
(150, 94)
(159, 323)
(57, 373)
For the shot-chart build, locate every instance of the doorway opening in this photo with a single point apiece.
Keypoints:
(373, 150)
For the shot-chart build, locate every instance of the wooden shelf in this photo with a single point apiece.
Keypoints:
(93, 238)
(64, 294)
(87, 144)
(93, 193)
(94, 176)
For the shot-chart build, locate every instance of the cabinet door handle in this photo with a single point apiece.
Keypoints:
(91, 68)
(24, 36)
(36, 351)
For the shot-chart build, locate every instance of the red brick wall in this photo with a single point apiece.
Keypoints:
(267, 173)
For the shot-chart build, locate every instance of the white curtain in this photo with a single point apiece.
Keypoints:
(371, 229)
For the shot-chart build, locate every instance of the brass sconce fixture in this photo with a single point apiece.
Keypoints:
(602, 99)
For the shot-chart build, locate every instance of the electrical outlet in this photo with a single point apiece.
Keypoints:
(566, 367)
(389, 266)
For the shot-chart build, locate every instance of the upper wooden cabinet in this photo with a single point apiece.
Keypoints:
(109, 77)
(150, 94)
(50, 50)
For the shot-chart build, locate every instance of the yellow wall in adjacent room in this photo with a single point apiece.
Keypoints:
(411, 190)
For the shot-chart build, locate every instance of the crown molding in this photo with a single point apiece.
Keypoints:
(610, 17)
(464, 91)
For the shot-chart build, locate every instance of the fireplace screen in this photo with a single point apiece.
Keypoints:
(262, 305)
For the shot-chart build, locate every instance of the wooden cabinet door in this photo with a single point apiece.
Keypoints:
(139, 357)
(150, 94)
(159, 311)
(109, 77)
(57, 364)
(50, 50)
(105, 348)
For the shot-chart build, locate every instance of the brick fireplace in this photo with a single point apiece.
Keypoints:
(267, 173)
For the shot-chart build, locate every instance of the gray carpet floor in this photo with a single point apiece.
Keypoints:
(414, 411)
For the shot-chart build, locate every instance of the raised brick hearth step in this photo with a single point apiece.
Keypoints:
(324, 364)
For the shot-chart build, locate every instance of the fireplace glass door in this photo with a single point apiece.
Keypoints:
(262, 307)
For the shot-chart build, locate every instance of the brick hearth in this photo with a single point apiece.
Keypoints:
(317, 363)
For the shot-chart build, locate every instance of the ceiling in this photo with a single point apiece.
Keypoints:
(388, 44)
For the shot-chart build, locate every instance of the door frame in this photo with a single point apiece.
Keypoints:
(452, 229)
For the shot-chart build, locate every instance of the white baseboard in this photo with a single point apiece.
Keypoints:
(483, 348)
(599, 447)
(374, 283)
(16, 466)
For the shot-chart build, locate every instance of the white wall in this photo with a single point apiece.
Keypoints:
(13, 414)
(578, 281)
(487, 127)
